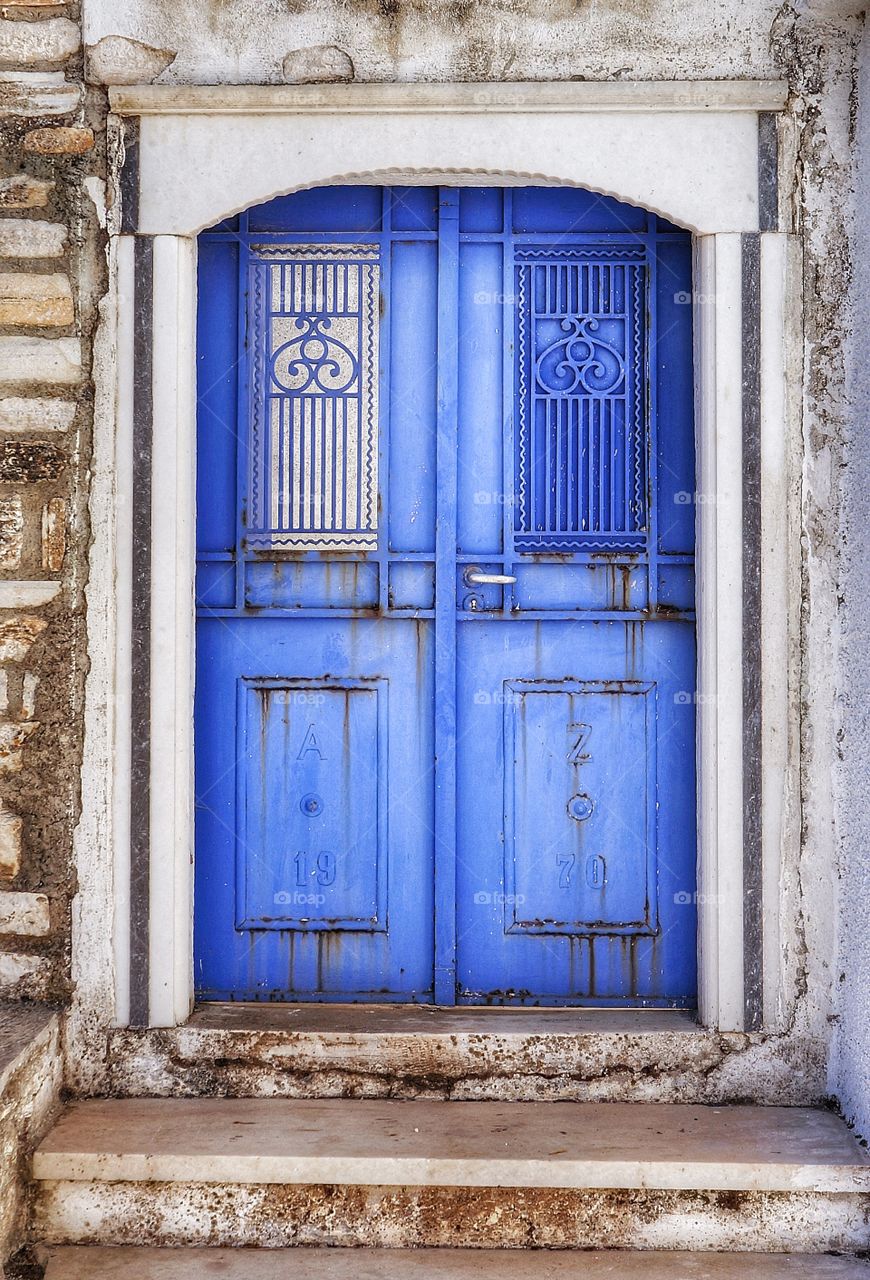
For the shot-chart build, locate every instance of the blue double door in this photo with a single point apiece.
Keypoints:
(445, 685)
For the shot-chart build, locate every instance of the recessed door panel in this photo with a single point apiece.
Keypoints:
(313, 804)
(580, 811)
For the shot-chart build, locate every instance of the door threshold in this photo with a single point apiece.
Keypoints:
(408, 1019)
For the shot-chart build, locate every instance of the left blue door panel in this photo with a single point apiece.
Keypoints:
(314, 754)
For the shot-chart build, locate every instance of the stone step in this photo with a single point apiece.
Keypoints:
(253, 1172)
(439, 1264)
(390, 1051)
(454, 1144)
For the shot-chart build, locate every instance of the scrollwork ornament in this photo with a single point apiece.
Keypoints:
(580, 360)
(314, 360)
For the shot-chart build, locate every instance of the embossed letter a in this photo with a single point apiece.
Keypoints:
(310, 743)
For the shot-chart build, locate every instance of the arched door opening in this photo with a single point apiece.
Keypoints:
(445, 729)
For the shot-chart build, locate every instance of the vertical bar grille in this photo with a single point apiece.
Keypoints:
(581, 458)
(314, 408)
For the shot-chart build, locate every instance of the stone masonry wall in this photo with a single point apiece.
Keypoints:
(50, 272)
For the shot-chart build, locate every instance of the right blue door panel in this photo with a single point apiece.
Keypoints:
(575, 703)
(446, 652)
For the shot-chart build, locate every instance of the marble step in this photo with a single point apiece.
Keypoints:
(453, 1144)
(598, 1175)
(81, 1263)
(459, 1054)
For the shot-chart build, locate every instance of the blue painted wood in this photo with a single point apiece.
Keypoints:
(412, 785)
(314, 861)
(445, 601)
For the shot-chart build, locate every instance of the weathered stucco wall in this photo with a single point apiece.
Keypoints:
(247, 41)
(850, 1075)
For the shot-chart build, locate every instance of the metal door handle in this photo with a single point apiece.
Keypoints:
(495, 578)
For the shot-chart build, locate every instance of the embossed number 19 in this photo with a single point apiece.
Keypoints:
(323, 869)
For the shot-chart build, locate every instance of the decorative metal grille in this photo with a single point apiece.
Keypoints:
(313, 473)
(581, 455)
